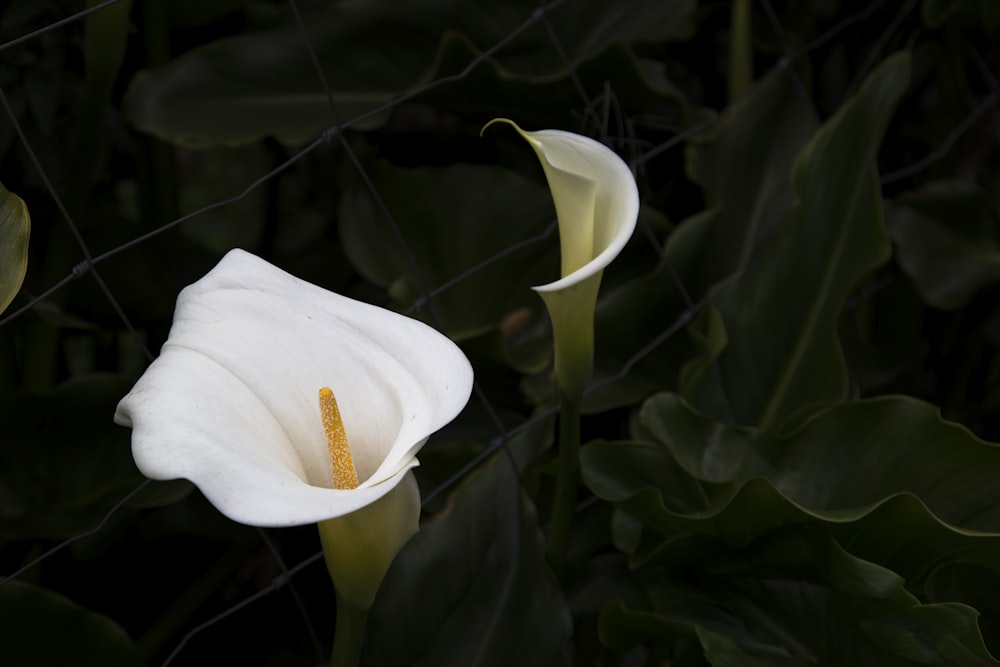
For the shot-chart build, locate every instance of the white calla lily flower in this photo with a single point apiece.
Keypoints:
(597, 206)
(233, 403)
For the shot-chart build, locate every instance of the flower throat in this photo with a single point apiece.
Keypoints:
(345, 475)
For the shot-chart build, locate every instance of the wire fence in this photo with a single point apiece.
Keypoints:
(597, 117)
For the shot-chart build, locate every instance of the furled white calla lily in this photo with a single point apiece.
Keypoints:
(597, 205)
(232, 405)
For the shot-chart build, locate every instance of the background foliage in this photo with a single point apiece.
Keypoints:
(789, 454)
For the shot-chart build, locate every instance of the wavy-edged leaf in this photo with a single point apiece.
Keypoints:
(849, 456)
(898, 485)
(15, 229)
(260, 84)
(783, 357)
(795, 597)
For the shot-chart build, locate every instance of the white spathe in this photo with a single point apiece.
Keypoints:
(597, 206)
(232, 401)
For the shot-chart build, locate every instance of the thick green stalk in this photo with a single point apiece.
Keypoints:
(350, 634)
(740, 50)
(567, 482)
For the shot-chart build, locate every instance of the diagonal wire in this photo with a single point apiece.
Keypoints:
(337, 130)
(68, 541)
(87, 265)
(876, 49)
(383, 207)
(941, 151)
(419, 304)
(57, 24)
(557, 46)
(286, 576)
(322, 139)
(275, 585)
(786, 46)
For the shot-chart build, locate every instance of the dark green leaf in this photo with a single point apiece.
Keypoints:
(899, 485)
(452, 220)
(63, 462)
(15, 228)
(945, 241)
(243, 88)
(783, 357)
(472, 587)
(795, 597)
(743, 167)
(42, 628)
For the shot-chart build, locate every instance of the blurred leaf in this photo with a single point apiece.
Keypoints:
(946, 241)
(979, 15)
(15, 228)
(194, 13)
(472, 587)
(935, 13)
(452, 221)
(797, 598)
(43, 628)
(105, 39)
(783, 357)
(242, 88)
(63, 462)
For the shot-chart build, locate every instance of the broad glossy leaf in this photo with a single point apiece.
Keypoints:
(15, 228)
(783, 357)
(453, 220)
(40, 627)
(472, 587)
(945, 241)
(898, 485)
(242, 88)
(848, 457)
(795, 597)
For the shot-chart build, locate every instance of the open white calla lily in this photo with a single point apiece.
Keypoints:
(233, 403)
(597, 205)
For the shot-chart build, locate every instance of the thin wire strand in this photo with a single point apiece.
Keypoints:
(57, 24)
(87, 266)
(68, 541)
(286, 577)
(277, 584)
(337, 130)
(383, 209)
(949, 142)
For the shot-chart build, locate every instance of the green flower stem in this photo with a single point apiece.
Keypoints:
(567, 482)
(740, 50)
(349, 635)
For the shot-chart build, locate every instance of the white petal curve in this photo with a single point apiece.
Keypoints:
(596, 198)
(232, 401)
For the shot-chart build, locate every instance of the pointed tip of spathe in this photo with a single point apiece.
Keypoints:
(495, 121)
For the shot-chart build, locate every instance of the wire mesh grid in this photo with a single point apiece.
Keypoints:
(597, 115)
